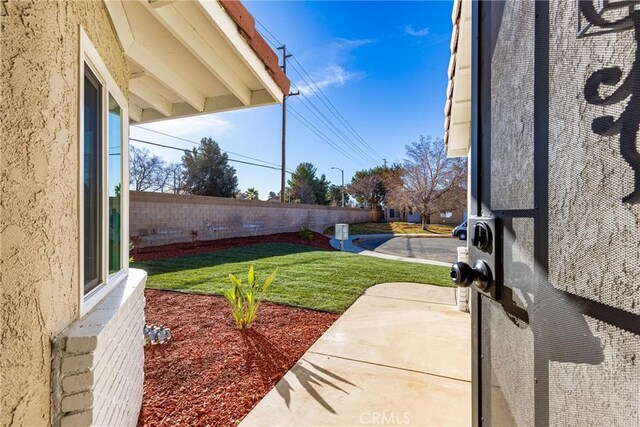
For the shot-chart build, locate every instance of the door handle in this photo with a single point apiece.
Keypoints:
(463, 275)
(484, 268)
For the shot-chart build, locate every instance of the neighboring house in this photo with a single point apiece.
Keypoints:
(444, 217)
(544, 98)
(74, 74)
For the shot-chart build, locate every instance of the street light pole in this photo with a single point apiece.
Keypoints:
(342, 187)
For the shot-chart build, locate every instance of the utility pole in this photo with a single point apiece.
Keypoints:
(342, 187)
(285, 56)
(385, 163)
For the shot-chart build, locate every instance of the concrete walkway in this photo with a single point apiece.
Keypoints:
(400, 355)
(350, 247)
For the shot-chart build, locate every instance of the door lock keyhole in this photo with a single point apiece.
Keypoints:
(481, 236)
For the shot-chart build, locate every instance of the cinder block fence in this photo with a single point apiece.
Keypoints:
(159, 218)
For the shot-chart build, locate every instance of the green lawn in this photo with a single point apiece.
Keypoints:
(307, 277)
(397, 227)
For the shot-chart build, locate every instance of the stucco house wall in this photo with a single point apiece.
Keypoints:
(39, 185)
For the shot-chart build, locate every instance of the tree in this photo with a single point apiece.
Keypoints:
(176, 178)
(148, 172)
(287, 194)
(367, 188)
(207, 172)
(251, 194)
(321, 190)
(306, 187)
(334, 195)
(370, 186)
(430, 181)
(272, 195)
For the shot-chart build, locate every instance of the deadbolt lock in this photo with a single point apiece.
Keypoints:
(484, 268)
(482, 236)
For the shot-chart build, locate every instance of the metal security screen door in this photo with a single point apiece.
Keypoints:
(556, 177)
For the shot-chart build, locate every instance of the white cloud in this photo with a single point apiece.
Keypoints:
(331, 75)
(416, 33)
(336, 52)
(193, 128)
(349, 44)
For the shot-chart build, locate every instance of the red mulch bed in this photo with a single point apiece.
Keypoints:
(207, 246)
(212, 374)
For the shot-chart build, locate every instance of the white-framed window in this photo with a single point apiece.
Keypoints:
(103, 174)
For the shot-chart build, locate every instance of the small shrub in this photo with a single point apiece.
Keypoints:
(306, 234)
(134, 243)
(131, 248)
(245, 299)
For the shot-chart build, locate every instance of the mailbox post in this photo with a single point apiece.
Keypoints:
(342, 234)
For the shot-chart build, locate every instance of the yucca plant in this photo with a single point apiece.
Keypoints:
(245, 299)
(305, 233)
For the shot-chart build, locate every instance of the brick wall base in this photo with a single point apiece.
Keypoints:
(97, 372)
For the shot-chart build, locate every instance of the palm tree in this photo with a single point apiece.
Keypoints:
(251, 194)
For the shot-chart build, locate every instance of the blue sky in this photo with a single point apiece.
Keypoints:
(382, 64)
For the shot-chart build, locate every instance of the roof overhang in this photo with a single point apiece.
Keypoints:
(193, 57)
(457, 111)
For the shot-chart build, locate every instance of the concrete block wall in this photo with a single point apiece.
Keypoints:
(160, 218)
(97, 373)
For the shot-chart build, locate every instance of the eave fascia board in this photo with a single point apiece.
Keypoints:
(150, 64)
(213, 105)
(158, 4)
(153, 98)
(185, 33)
(120, 23)
(229, 30)
(135, 112)
(165, 75)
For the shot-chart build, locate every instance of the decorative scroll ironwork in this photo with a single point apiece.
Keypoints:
(628, 123)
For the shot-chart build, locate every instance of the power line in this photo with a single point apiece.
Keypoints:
(197, 143)
(323, 137)
(278, 42)
(335, 130)
(329, 125)
(332, 108)
(337, 113)
(187, 150)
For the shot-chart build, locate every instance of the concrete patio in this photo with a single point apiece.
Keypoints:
(400, 355)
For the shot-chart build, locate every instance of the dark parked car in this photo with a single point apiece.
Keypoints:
(460, 231)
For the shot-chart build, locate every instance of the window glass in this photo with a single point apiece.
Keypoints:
(92, 171)
(115, 186)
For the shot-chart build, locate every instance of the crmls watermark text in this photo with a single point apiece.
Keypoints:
(392, 418)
